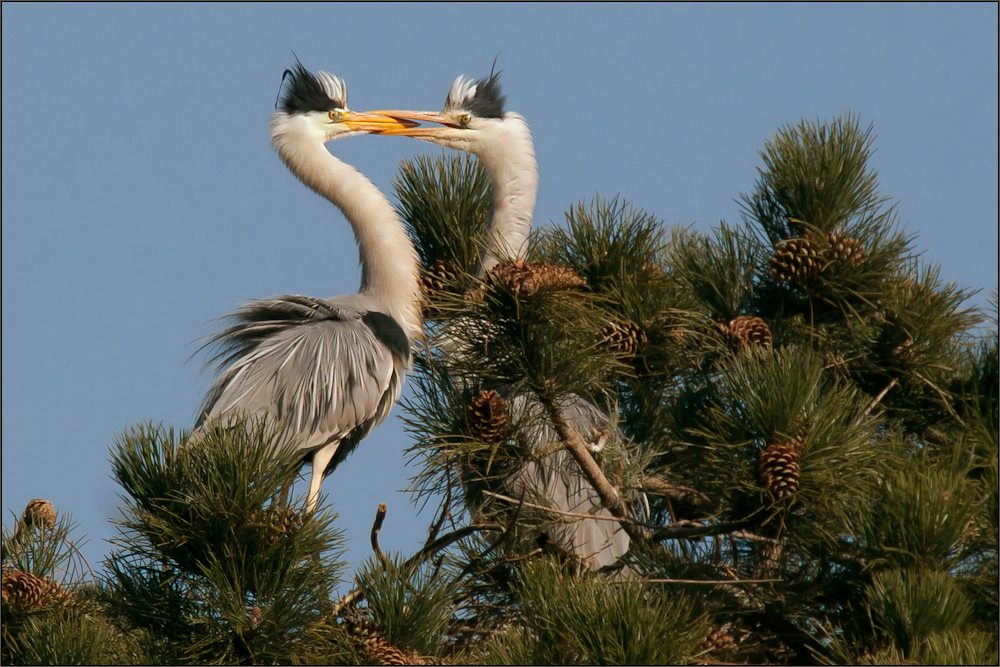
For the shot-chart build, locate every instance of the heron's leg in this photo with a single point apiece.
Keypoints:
(321, 458)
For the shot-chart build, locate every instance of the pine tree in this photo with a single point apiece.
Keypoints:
(803, 447)
(804, 403)
(214, 563)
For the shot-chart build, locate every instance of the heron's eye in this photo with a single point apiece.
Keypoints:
(465, 119)
(336, 114)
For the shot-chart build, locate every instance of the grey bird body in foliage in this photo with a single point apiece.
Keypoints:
(329, 370)
(557, 480)
(474, 120)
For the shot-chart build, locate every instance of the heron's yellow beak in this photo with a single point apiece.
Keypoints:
(376, 122)
(409, 121)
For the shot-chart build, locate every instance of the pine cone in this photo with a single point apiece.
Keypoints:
(28, 592)
(39, 514)
(623, 337)
(846, 249)
(795, 261)
(747, 330)
(526, 278)
(278, 521)
(487, 417)
(380, 652)
(778, 466)
(441, 276)
(720, 642)
(256, 614)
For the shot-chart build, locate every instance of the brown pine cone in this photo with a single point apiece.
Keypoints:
(380, 651)
(720, 642)
(28, 592)
(795, 261)
(441, 276)
(526, 278)
(623, 337)
(278, 521)
(846, 249)
(39, 513)
(778, 466)
(487, 417)
(748, 330)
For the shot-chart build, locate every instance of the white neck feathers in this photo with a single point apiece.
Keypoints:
(510, 163)
(389, 263)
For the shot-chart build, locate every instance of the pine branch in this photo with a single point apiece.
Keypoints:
(666, 489)
(429, 550)
(610, 497)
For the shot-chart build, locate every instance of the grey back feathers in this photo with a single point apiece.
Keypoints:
(302, 91)
(483, 98)
(556, 479)
(329, 369)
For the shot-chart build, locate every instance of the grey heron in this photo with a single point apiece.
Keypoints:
(329, 370)
(474, 120)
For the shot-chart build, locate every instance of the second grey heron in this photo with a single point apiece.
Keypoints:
(328, 370)
(474, 120)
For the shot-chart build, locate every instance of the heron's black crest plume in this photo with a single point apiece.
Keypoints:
(302, 91)
(483, 98)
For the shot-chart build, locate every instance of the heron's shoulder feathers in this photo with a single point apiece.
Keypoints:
(323, 368)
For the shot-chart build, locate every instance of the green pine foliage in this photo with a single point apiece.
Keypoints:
(802, 427)
(445, 205)
(590, 621)
(51, 614)
(214, 564)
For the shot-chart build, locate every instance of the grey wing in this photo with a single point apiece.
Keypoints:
(558, 481)
(324, 371)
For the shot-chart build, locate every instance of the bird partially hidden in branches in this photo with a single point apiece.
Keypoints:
(328, 369)
(474, 120)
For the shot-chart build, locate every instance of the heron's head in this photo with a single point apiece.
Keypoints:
(316, 105)
(473, 119)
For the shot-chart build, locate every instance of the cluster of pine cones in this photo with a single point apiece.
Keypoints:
(26, 591)
(796, 261)
(278, 521)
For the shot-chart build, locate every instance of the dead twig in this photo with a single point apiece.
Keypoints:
(690, 529)
(429, 550)
(574, 515)
(376, 527)
(875, 401)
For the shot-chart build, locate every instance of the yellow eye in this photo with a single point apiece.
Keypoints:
(465, 119)
(336, 114)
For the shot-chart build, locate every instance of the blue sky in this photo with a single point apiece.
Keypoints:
(141, 199)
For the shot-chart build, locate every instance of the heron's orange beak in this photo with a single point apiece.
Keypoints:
(376, 122)
(411, 119)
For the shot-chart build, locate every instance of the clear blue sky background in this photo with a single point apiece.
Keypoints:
(141, 199)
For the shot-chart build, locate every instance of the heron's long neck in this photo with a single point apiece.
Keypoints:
(389, 264)
(514, 173)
